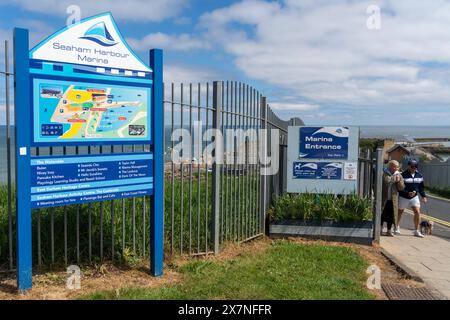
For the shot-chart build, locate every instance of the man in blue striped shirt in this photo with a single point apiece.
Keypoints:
(409, 197)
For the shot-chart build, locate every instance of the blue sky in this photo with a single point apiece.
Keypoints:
(314, 59)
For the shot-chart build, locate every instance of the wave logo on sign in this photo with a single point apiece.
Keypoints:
(308, 165)
(334, 165)
(341, 132)
(99, 34)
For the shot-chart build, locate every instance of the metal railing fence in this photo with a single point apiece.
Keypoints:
(206, 203)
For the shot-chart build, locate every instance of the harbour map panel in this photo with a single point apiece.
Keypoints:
(67, 111)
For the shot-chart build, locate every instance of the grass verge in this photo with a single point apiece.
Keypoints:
(286, 270)
(442, 192)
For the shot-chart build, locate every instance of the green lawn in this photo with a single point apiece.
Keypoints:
(284, 271)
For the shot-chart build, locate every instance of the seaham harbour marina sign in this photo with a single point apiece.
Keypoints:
(83, 85)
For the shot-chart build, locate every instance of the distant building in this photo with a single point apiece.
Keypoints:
(397, 152)
(387, 145)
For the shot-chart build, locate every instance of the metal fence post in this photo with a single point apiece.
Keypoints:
(217, 101)
(378, 195)
(8, 155)
(263, 197)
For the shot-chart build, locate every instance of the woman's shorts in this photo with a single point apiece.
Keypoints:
(404, 203)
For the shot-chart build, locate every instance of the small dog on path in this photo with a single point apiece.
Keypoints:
(426, 227)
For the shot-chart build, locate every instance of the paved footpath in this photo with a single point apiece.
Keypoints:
(428, 258)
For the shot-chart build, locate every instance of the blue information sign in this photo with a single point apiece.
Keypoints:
(324, 142)
(84, 85)
(71, 180)
(317, 170)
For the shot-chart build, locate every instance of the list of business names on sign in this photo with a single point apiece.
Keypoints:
(71, 180)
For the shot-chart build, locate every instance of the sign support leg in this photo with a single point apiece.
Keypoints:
(23, 124)
(157, 200)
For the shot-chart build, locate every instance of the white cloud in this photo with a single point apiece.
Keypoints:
(293, 106)
(133, 10)
(38, 30)
(188, 73)
(6, 35)
(165, 41)
(323, 52)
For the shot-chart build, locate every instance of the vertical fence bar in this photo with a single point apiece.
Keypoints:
(77, 150)
(206, 173)
(235, 229)
(39, 253)
(226, 165)
(101, 221)
(198, 166)
(258, 166)
(77, 226)
(217, 106)
(247, 187)
(238, 164)
(263, 177)
(123, 219)
(52, 227)
(65, 221)
(52, 235)
(250, 161)
(8, 157)
(90, 223)
(65, 235)
(243, 150)
(222, 180)
(190, 169)
(172, 220)
(112, 230)
(255, 164)
(101, 229)
(181, 174)
(123, 227)
(90, 232)
(38, 228)
(144, 223)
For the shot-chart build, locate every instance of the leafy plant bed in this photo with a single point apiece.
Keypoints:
(322, 216)
(360, 232)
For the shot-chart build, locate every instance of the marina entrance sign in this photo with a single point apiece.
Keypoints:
(322, 159)
(84, 86)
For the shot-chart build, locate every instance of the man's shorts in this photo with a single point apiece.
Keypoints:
(404, 203)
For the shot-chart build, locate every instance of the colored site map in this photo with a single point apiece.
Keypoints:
(76, 112)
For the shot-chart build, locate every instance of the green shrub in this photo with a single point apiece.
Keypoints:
(443, 192)
(307, 206)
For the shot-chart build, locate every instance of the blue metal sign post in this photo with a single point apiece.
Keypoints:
(157, 200)
(23, 185)
(83, 85)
